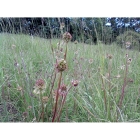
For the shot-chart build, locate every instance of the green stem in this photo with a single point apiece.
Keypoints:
(124, 85)
(109, 86)
(104, 92)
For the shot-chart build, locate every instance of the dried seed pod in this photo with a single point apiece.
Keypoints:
(109, 56)
(39, 87)
(75, 83)
(61, 65)
(62, 90)
(129, 61)
(67, 37)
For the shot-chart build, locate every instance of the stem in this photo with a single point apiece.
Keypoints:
(42, 109)
(109, 86)
(124, 85)
(109, 72)
(104, 92)
(62, 104)
(52, 83)
(60, 110)
(65, 55)
(57, 96)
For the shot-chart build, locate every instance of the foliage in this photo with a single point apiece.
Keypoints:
(129, 36)
(80, 28)
(108, 89)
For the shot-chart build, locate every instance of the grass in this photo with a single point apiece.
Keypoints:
(24, 59)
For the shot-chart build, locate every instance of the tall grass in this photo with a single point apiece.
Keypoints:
(97, 98)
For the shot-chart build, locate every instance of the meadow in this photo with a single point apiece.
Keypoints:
(98, 83)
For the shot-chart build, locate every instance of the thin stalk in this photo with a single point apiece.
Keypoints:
(60, 109)
(57, 96)
(109, 76)
(42, 107)
(109, 86)
(124, 85)
(52, 83)
(104, 92)
(27, 81)
(62, 104)
(65, 55)
(60, 29)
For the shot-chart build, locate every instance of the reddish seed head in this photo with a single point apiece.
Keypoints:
(63, 90)
(75, 83)
(40, 83)
(40, 87)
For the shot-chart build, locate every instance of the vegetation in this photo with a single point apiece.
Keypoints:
(129, 36)
(56, 80)
(81, 29)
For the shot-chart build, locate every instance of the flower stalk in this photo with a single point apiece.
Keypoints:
(57, 97)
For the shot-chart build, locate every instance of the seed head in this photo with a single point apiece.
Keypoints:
(126, 55)
(75, 83)
(67, 37)
(19, 88)
(40, 86)
(109, 56)
(40, 83)
(29, 107)
(62, 90)
(13, 46)
(90, 61)
(61, 65)
(127, 45)
(129, 61)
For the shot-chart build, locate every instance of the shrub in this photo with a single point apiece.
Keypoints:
(88, 41)
(129, 36)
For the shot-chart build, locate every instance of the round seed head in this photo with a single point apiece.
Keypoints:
(61, 65)
(129, 61)
(39, 87)
(75, 83)
(67, 37)
(109, 56)
(63, 90)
